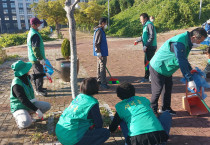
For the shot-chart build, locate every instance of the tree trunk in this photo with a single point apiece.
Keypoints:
(57, 29)
(72, 35)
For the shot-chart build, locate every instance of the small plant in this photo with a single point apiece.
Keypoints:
(65, 48)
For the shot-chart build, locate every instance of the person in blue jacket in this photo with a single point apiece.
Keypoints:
(100, 49)
(81, 123)
(206, 26)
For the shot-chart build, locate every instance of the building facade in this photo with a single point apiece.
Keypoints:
(15, 15)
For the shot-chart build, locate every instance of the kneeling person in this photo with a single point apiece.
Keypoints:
(139, 124)
(22, 99)
(81, 122)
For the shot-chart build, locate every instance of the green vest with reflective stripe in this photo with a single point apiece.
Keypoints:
(138, 115)
(164, 61)
(73, 123)
(15, 103)
(145, 36)
(31, 55)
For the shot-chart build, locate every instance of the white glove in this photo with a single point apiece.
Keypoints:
(33, 100)
(191, 85)
(99, 55)
(144, 48)
(42, 61)
(39, 113)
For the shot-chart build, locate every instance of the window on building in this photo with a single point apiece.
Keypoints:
(28, 5)
(4, 0)
(4, 5)
(12, 5)
(28, 0)
(36, 0)
(20, 0)
(23, 25)
(14, 17)
(20, 5)
(15, 25)
(21, 11)
(13, 11)
(22, 18)
(8, 26)
(29, 12)
(6, 18)
(5, 11)
(12, 0)
(29, 17)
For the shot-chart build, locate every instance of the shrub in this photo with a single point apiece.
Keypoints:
(65, 48)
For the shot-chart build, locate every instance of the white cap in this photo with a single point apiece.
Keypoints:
(208, 21)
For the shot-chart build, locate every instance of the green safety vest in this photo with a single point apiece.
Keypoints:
(145, 36)
(164, 61)
(73, 123)
(138, 115)
(31, 55)
(15, 103)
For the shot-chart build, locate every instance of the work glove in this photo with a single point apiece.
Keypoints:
(145, 48)
(39, 113)
(135, 43)
(99, 55)
(33, 100)
(191, 85)
(49, 77)
(42, 62)
(193, 71)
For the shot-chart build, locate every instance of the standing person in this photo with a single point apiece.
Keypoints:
(36, 54)
(152, 19)
(100, 49)
(139, 124)
(22, 99)
(81, 123)
(149, 40)
(171, 56)
(207, 68)
(206, 26)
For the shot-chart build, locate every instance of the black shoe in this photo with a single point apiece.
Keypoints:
(172, 112)
(44, 89)
(41, 93)
(144, 80)
(99, 82)
(104, 86)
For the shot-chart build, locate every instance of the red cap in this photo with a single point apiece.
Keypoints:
(35, 21)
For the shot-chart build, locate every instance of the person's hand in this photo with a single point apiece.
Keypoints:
(135, 43)
(39, 113)
(145, 48)
(99, 55)
(42, 62)
(191, 85)
(33, 100)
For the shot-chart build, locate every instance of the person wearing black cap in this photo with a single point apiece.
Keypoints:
(22, 98)
(36, 54)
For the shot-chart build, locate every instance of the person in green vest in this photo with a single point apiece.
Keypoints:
(149, 40)
(81, 122)
(171, 56)
(139, 124)
(22, 99)
(36, 54)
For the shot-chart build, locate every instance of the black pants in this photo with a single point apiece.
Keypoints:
(37, 69)
(150, 52)
(160, 85)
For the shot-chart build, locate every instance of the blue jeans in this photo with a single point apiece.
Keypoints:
(94, 137)
(165, 120)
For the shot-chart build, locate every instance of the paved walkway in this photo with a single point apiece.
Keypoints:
(125, 63)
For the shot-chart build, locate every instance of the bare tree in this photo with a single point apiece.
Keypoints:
(69, 8)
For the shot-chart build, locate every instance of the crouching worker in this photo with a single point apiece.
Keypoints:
(22, 99)
(139, 124)
(207, 68)
(81, 122)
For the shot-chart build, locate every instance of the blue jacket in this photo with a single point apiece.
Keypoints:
(103, 43)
